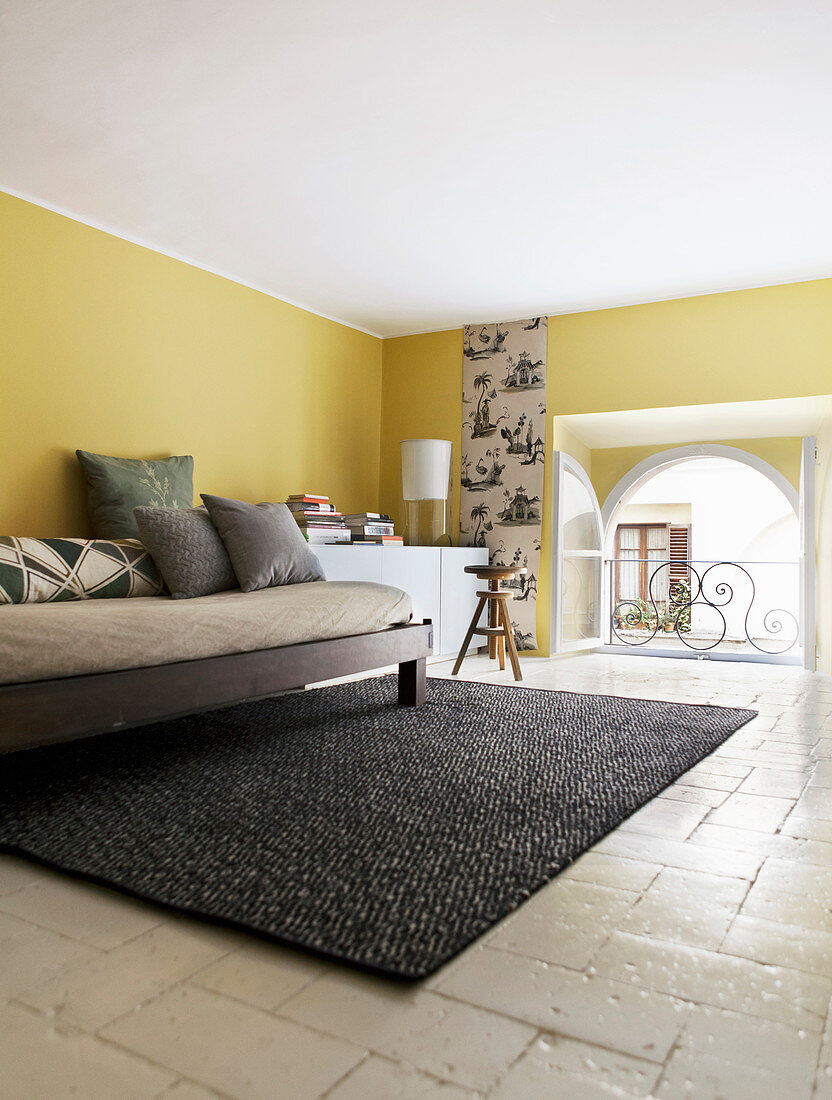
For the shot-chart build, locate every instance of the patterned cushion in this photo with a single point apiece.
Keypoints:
(50, 570)
(187, 550)
(115, 486)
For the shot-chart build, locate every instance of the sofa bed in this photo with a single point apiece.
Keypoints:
(88, 666)
(210, 606)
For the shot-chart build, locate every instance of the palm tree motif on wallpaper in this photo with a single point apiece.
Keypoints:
(479, 514)
(488, 475)
(481, 345)
(480, 417)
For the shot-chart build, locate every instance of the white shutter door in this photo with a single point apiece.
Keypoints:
(577, 558)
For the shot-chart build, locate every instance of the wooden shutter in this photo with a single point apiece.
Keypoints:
(679, 554)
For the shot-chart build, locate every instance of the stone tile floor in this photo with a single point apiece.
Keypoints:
(689, 954)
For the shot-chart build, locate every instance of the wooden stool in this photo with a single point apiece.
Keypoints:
(499, 633)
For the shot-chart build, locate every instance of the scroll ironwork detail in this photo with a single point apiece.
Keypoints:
(705, 589)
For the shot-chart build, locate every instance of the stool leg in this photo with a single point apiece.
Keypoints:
(493, 585)
(469, 635)
(501, 651)
(512, 648)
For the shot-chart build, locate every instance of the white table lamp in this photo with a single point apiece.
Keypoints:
(426, 491)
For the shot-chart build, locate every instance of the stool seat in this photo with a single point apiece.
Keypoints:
(486, 572)
(499, 633)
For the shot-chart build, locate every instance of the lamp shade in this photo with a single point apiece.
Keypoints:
(426, 469)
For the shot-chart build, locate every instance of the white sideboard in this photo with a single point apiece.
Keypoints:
(433, 576)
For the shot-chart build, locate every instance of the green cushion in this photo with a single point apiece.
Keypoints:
(54, 570)
(115, 486)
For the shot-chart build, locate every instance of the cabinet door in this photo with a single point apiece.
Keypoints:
(416, 570)
(459, 600)
(350, 563)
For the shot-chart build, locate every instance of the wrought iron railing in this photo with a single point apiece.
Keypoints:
(680, 593)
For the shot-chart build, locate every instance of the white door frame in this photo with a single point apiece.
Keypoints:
(565, 463)
(806, 519)
(802, 503)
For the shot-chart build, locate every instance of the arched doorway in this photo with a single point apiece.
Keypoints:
(704, 555)
(626, 488)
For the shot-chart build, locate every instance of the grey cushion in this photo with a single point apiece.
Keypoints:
(187, 550)
(264, 543)
(115, 486)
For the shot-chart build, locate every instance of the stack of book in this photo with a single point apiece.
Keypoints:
(372, 527)
(317, 518)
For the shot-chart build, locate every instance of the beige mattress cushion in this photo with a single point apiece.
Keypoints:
(48, 640)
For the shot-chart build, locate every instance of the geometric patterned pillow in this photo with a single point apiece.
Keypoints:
(52, 570)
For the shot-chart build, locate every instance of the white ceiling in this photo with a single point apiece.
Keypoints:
(790, 416)
(405, 167)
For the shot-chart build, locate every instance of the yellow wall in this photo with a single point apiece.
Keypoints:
(111, 347)
(747, 345)
(421, 399)
(565, 440)
(739, 346)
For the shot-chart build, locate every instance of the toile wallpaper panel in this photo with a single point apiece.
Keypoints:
(503, 454)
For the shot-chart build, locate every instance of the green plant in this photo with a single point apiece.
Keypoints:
(679, 604)
(646, 616)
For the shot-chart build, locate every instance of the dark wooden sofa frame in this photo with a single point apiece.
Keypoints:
(75, 706)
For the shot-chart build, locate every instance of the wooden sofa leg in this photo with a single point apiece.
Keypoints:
(412, 680)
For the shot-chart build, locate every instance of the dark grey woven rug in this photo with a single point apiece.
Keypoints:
(338, 821)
